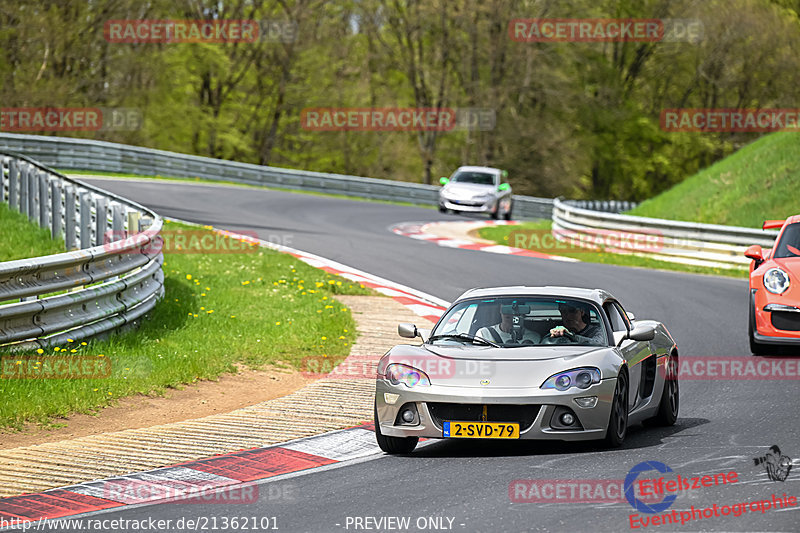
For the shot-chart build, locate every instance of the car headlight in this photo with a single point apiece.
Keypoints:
(776, 281)
(583, 378)
(409, 376)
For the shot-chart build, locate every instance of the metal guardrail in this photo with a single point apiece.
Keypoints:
(667, 240)
(103, 287)
(101, 156)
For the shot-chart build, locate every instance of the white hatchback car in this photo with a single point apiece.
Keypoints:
(477, 190)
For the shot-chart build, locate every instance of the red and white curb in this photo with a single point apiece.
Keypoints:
(433, 232)
(233, 474)
(228, 479)
(418, 302)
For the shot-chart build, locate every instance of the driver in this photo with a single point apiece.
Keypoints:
(577, 324)
(503, 333)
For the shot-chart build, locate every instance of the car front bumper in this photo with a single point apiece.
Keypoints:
(468, 206)
(769, 313)
(544, 405)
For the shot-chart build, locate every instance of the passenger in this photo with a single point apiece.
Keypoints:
(503, 333)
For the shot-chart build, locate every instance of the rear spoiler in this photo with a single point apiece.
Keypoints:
(772, 224)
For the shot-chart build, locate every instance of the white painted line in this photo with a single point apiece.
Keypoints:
(340, 446)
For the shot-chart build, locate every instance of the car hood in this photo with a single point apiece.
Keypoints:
(468, 189)
(523, 353)
(489, 368)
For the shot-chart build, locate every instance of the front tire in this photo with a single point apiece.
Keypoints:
(618, 420)
(393, 445)
(507, 216)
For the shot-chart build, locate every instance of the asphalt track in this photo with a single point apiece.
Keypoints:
(723, 424)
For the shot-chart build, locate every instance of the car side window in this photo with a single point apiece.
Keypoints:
(615, 316)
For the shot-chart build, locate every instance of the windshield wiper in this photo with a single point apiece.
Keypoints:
(465, 336)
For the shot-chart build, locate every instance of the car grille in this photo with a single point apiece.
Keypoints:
(524, 415)
(466, 203)
(786, 321)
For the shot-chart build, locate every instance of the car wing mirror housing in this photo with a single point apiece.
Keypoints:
(444, 181)
(410, 331)
(642, 332)
(503, 187)
(755, 253)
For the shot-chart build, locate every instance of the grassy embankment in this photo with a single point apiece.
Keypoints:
(221, 311)
(755, 183)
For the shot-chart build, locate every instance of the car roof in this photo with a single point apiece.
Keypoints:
(480, 169)
(597, 296)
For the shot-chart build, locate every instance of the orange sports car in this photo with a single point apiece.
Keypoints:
(775, 289)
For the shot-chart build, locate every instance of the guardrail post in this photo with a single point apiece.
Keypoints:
(3, 162)
(69, 217)
(43, 203)
(56, 211)
(13, 185)
(86, 221)
(117, 224)
(101, 220)
(133, 223)
(23, 190)
(33, 185)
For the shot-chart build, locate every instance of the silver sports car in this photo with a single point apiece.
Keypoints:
(477, 190)
(553, 363)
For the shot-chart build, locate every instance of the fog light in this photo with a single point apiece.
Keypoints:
(408, 416)
(587, 401)
(390, 398)
(567, 419)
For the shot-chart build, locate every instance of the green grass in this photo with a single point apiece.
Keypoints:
(504, 235)
(220, 311)
(78, 173)
(759, 182)
(20, 238)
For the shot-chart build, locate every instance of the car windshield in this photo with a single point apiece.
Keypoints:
(521, 321)
(479, 178)
(789, 245)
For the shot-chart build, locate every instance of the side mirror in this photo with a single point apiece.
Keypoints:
(408, 331)
(503, 187)
(642, 332)
(444, 181)
(755, 253)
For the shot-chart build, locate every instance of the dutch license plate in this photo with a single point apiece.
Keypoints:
(481, 430)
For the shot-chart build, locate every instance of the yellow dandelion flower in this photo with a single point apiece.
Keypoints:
(95, 390)
(202, 294)
(39, 351)
(188, 276)
(202, 308)
(83, 344)
(19, 362)
(208, 288)
(70, 340)
(233, 316)
(194, 316)
(101, 355)
(328, 307)
(341, 337)
(210, 311)
(56, 349)
(73, 351)
(319, 284)
(338, 282)
(324, 338)
(331, 282)
(277, 323)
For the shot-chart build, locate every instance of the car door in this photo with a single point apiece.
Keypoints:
(634, 352)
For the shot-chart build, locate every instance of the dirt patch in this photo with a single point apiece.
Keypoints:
(230, 392)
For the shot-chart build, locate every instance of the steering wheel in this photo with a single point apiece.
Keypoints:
(567, 338)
